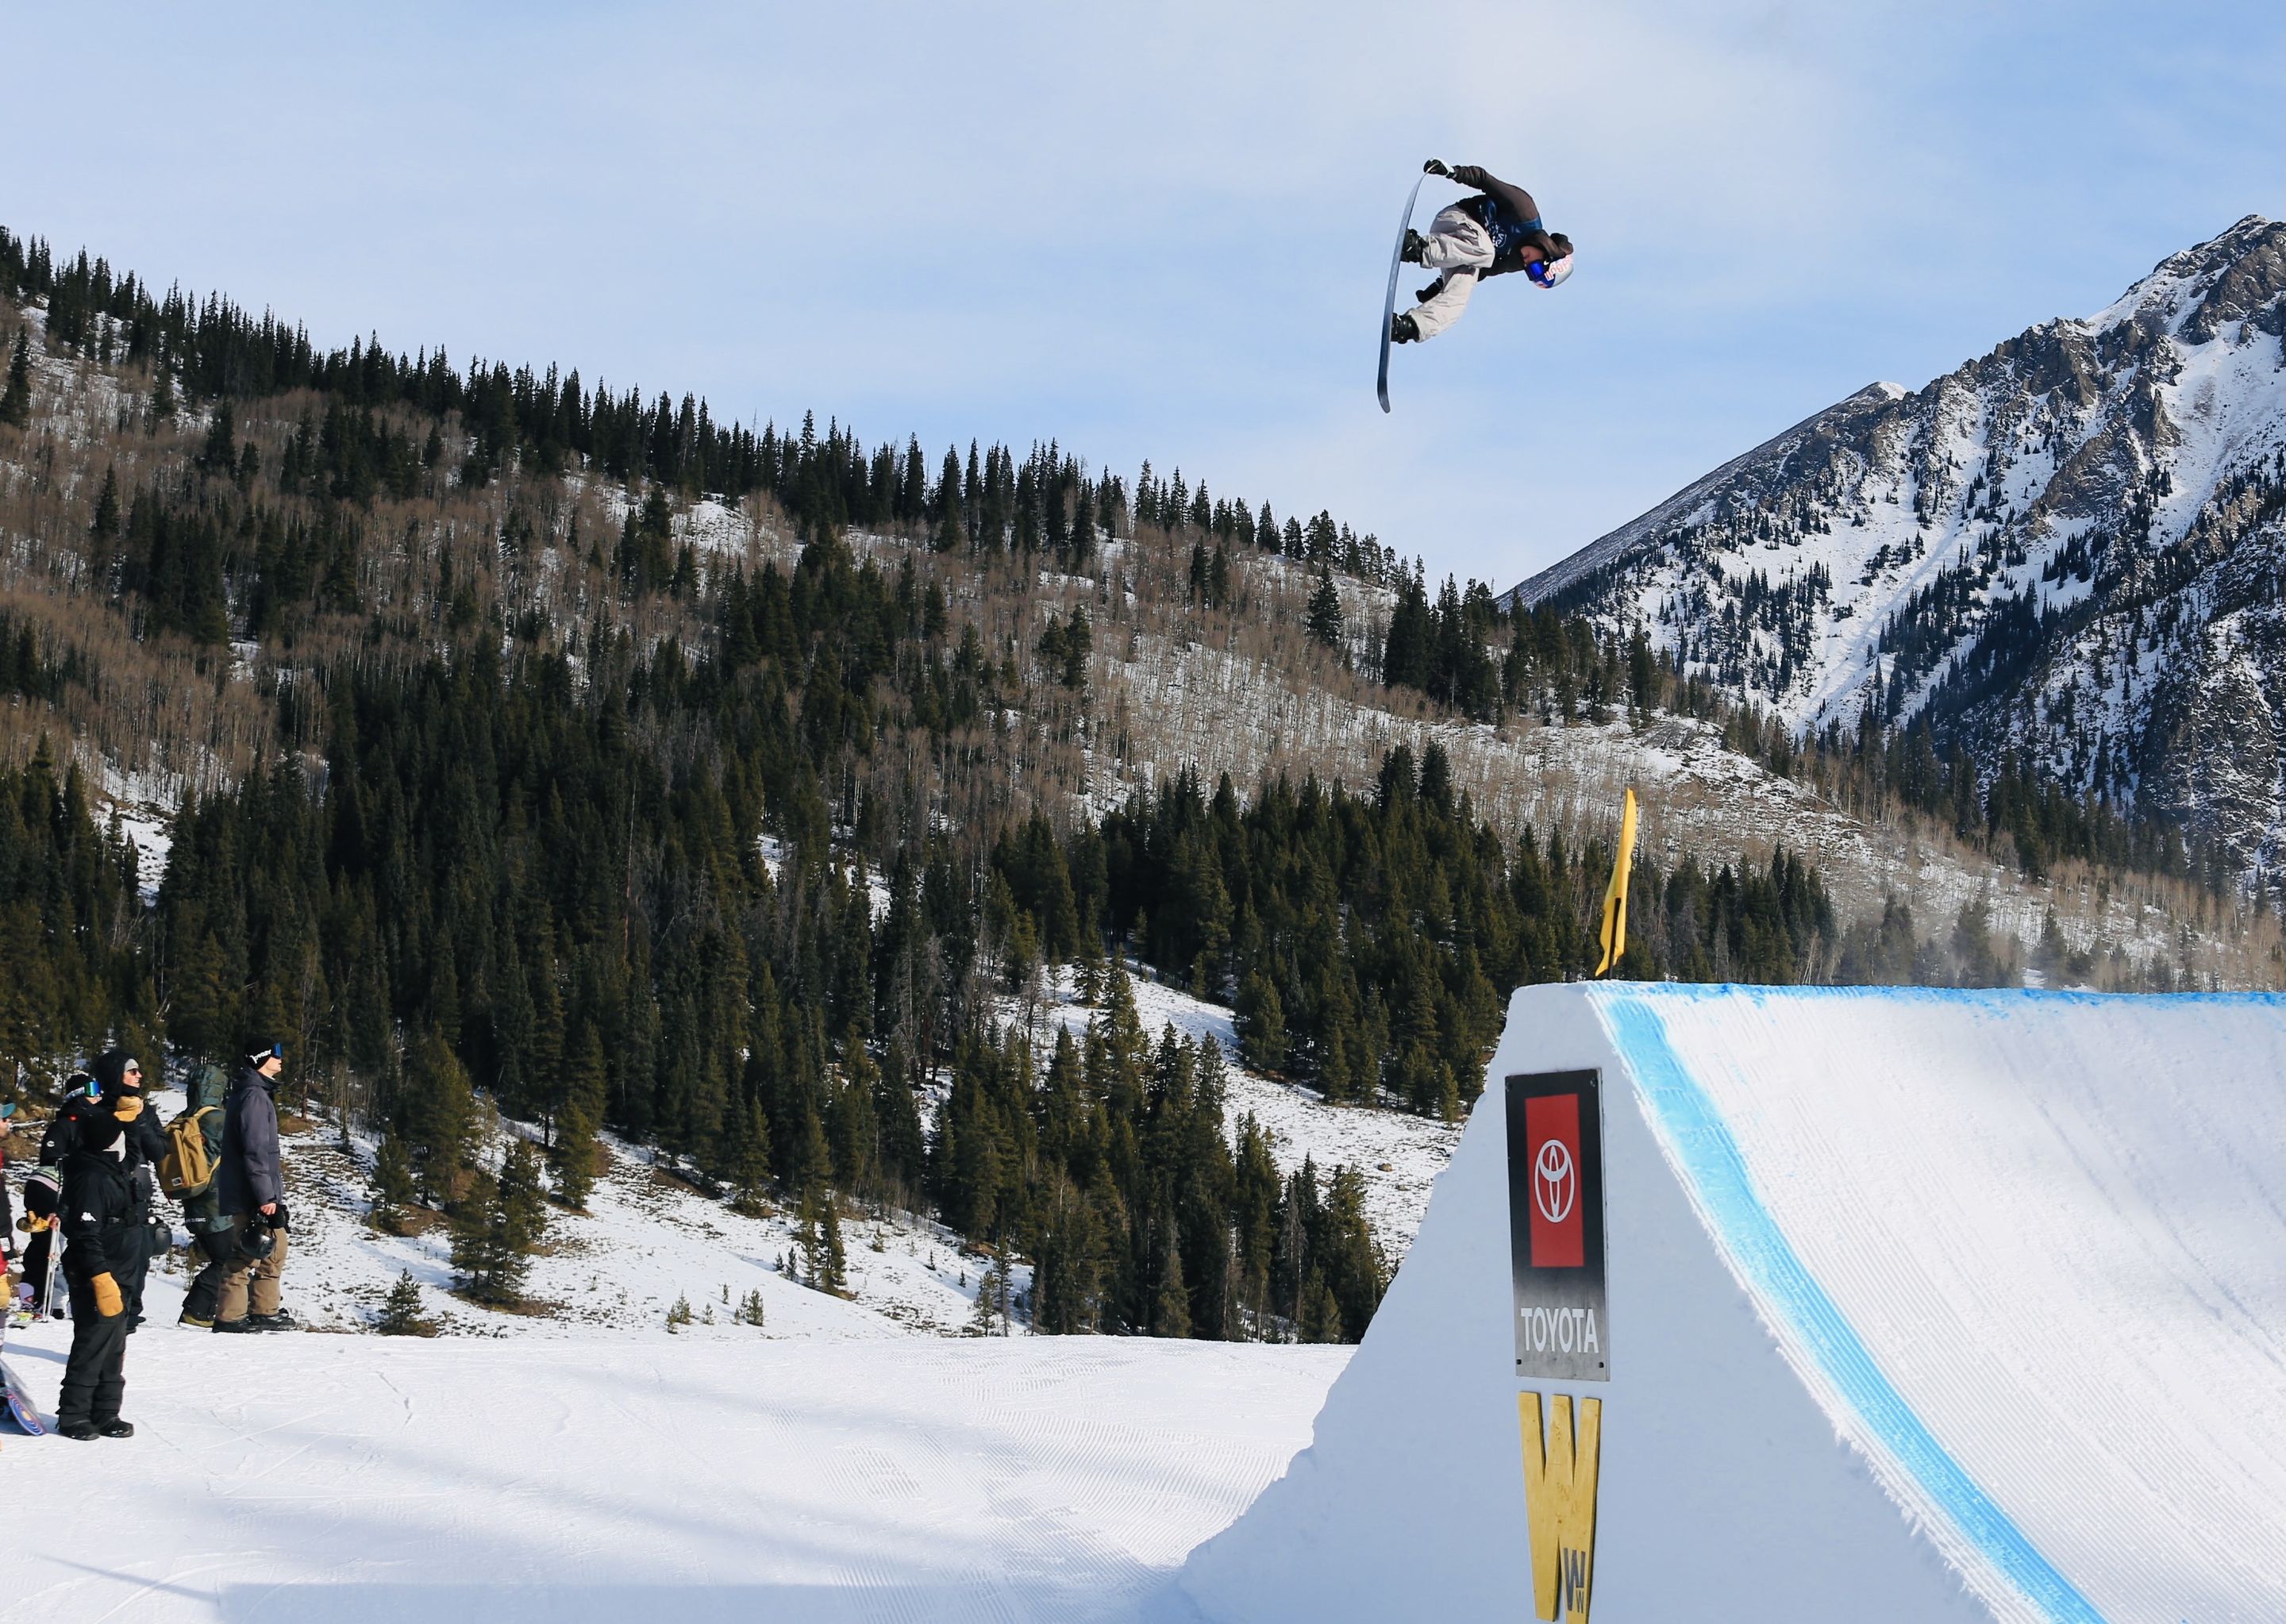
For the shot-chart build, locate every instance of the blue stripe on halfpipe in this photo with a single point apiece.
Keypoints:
(1700, 1136)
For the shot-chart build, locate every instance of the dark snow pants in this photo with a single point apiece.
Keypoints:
(35, 1266)
(95, 1375)
(215, 1247)
(144, 1244)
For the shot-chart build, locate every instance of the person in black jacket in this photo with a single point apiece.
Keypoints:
(101, 1230)
(1490, 234)
(120, 1095)
(42, 1200)
(7, 1215)
(250, 1188)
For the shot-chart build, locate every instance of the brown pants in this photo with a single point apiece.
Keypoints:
(250, 1284)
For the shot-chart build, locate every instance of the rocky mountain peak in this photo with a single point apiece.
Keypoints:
(2065, 552)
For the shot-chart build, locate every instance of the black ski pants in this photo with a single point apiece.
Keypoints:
(147, 1241)
(214, 1246)
(95, 1377)
(36, 1268)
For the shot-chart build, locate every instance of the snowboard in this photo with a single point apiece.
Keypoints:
(1389, 294)
(21, 1410)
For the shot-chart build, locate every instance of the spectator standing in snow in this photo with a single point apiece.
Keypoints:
(104, 1236)
(42, 1197)
(7, 1213)
(213, 1236)
(251, 1186)
(119, 1098)
(90, 1107)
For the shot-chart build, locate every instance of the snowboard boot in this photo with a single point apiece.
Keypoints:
(1415, 245)
(279, 1321)
(114, 1428)
(78, 1431)
(195, 1323)
(1402, 329)
(244, 1323)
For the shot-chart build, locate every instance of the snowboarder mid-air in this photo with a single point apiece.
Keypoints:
(1495, 232)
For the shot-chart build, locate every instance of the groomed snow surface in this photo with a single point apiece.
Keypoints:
(616, 1481)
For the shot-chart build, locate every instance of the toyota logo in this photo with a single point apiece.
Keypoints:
(1555, 1185)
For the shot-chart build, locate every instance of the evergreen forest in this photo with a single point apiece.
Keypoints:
(536, 800)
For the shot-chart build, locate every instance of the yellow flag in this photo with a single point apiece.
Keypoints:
(1615, 895)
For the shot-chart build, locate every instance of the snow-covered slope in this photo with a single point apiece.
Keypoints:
(2071, 548)
(652, 1238)
(287, 1479)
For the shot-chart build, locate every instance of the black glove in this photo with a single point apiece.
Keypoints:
(1437, 166)
(277, 1218)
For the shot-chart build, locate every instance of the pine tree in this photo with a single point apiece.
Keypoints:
(400, 1310)
(1171, 1302)
(750, 1158)
(16, 398)
(810, 1236)
(1321, 1316)
(393, 1186)
(492, 1239)
(1261, 1023)
(989, 1316)
(436, 1116)
(105, 522)
(1325, 617)
(574, 1156)
(835, 1274)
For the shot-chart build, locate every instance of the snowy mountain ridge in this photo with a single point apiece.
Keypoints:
(2071, 548)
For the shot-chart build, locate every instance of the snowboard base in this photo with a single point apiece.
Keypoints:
(21, 1410)
(1389, 294)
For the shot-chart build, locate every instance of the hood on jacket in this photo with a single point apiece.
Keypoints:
(207, 1085)
(110, 1073)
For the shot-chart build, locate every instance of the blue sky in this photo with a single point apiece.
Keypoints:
(1161, 231)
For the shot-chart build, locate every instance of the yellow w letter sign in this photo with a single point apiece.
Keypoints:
(1559, 1500)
